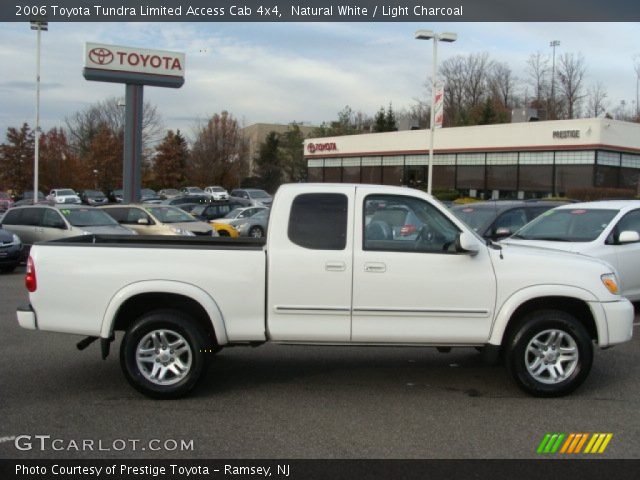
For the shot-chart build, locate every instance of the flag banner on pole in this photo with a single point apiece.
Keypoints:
(439, 106)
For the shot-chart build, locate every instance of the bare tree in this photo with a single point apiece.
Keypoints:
(596, 100)
(503, 84)
(85, 124)
(571, 73)
(538, 73)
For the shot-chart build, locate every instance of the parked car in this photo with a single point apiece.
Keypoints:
(213, 211)
(239, 215)
(186, 199)
(500, 218)
(148, 195)
(10, 251)
(27, 199)
(166, 193)
(6, 202)
(115, 196)
(93, 197)
(608, 230)
(192, 191)
(38, 223)
(254, 226)
(217, 193)
(63, 195)
(319, 279)
(158, 220)
(255, 195)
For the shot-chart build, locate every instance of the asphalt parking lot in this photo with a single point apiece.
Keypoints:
(301, 402)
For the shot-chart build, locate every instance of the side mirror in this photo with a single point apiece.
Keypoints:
(628, 236)
(503, 232)
(143, 221)
(467, 243)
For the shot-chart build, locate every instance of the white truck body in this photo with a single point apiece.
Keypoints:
(284, 292)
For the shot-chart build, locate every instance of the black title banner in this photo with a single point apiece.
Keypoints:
(319, 10)
(317, 469)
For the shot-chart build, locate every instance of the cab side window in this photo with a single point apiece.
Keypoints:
(397, 223)
(318, 221)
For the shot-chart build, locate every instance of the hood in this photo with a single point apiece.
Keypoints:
(522, 266)
(107, 230)
(576, 247)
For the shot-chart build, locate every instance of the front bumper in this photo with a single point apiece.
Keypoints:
(620, 316)
(27, 317)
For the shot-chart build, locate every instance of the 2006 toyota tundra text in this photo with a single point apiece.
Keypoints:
(343, 265)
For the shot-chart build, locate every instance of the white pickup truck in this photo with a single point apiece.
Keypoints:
(342, 265)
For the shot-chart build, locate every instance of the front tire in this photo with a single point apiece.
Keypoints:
(550, 353)
(256, 232)
(162, 354)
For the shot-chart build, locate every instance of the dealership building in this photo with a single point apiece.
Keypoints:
(515, 160)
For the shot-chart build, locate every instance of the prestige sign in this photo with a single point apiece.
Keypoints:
(133, 60)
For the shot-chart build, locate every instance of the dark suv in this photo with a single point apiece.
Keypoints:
(498, 219)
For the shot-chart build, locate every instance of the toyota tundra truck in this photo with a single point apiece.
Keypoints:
(342, 265)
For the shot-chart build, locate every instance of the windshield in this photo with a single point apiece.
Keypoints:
(147, 192)
(217, 189)
(567, 225)
(87, 217)
(66, 192)
(258, 194)
(171, 215)
(170, 191)
(194, 190)
(93, 193)
(475, 217)
(233, 213)
(198, 209)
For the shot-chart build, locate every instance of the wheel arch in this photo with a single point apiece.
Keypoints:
(580, 303)
(140, 297)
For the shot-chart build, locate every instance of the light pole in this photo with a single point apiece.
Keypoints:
(553, 44)
(442, 37)
(38, 26)
(636, 66)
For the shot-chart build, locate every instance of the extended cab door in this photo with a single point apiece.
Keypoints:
(310, 265)
(409, 283)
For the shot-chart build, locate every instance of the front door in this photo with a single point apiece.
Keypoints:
(310, 267)
(409, 283)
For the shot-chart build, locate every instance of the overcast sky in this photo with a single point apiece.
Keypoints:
(285, 72)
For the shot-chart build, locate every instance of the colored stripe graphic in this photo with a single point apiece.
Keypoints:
(573, 443)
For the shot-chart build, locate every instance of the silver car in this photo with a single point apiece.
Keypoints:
(254, 226)
(39, 223)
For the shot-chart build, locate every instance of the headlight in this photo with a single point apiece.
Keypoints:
(242, 226)
(611, 282)
(16, 239)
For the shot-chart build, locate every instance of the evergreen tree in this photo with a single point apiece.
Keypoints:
(268, 163)
(390, 123)
(380, 121)
(170, 162)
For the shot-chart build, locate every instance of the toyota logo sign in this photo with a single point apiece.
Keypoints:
(321, 147)
(101, 56)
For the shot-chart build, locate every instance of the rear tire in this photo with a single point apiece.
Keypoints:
(162, 355)
(223, 233)
(550, 353)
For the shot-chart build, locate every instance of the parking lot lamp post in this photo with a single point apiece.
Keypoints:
(442, 37)
(38, 26)
(553, 44)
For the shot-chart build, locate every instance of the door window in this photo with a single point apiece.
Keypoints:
(31, 216)
(511, 220)
(318, 221)
(397, 223)
(52, 219)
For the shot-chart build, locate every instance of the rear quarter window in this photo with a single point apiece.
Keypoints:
(318, 221)
(13, 217)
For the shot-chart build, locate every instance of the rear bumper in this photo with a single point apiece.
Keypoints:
(619, 318)
(27, 317)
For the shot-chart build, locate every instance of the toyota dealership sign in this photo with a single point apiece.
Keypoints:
(115, 63)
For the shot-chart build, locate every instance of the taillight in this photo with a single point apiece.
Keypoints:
(408, 229)
(30, 278)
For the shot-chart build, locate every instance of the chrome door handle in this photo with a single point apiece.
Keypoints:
(335, 266)
(375, 267)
